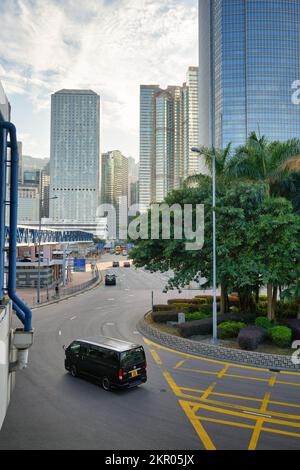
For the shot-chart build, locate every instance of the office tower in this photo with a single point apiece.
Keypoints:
(75, 156)
(114, 182)
(28, 204)
(133, 176)
(147, 145)
(45, 191)
(249, 59)
(168, 131)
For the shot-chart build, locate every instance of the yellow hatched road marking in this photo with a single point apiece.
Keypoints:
(204, 437)
(259, 424)
(223, 372)
(156, 357)
(208, 391)
(180, 364)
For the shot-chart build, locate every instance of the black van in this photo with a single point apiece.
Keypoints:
(116, 363)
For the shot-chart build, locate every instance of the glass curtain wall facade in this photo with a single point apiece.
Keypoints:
(253, 58)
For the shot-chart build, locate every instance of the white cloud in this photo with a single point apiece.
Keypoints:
(109, 46)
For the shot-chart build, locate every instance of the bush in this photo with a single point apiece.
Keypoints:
(235, 310)
(263, 322)
(263, 297)
(251, 337)
(262, 308)
(295, 327)
(205, 327)
(285, 310)
(229, 329)
(184, 301)
(163, 308)
(164, 317)
(195, 316)
(281, 336)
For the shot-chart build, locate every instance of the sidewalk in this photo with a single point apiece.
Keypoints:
(29, 294)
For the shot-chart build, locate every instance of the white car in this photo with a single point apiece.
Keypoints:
(124, 253)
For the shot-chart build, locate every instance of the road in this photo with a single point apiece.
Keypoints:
(188, 403)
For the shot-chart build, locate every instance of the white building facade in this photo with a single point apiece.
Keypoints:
(75, 156)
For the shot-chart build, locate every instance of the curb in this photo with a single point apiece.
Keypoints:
(235, 356)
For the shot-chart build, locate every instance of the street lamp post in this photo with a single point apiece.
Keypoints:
(39, 260)
(215, 312)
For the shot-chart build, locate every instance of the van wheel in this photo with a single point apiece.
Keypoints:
(73, 371)
(105, 382)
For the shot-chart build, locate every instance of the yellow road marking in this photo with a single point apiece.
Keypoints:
(208, 391)
(259, 424)
(273, 380)
(180, 364)
(204, 437)
(223, 372)
(215, 361)
(156, 357)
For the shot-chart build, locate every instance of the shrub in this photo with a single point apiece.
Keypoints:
(229, 329)
(281, 336)
(286, 310)
(184, 301)
(263, 297)
(195, 316)
(164, 317)
(261, 308)
(251, 337)
(163, 308)
(205, 327)
(263, 322)
(295, 327)
(235, 310)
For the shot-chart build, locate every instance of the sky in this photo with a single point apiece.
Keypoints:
(109, 46)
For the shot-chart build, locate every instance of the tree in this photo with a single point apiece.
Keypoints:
(271, 163)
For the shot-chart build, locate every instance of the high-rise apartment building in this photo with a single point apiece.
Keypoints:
(249, 59)
(75, 156)
(168, 131)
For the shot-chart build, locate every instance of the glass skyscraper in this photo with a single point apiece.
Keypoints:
(249, 59)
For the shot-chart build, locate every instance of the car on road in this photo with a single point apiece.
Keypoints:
(116, 264)
(115, 363)
(112, 251)
(110, 280)
(127, 264)
(124, 253)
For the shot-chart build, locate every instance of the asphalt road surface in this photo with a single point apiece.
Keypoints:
(188, 403)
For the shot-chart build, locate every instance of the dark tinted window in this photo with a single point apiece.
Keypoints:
(132, 357)
(74, 348)
(95, 353)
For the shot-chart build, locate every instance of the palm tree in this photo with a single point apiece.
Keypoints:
(272, 163)
(275, 164)
(222, 159)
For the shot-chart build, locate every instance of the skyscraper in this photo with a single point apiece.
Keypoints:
(75, 156)
(249, 58)
(168, 131)
(114, 182)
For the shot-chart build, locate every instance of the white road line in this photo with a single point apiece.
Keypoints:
(110, 300)
(136, 333)
(257, 414)
(59, 333)
(73, 318)
(109, 324)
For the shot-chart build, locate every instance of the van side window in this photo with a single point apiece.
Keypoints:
(95, 353)
(75, 348)
(84, 349)
(111, 358)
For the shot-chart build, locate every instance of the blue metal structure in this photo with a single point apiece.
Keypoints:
(28, 235)
(22, 310)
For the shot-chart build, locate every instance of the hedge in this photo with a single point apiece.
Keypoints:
(164, 308)
(205, 327)
(229, 329)
(164, 317)
(281, 336)
(195, 316)
(251, 337)
(185, 301)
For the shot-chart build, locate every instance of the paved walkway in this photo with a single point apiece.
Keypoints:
(29, 294)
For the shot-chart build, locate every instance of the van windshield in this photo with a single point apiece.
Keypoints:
(133, 357)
